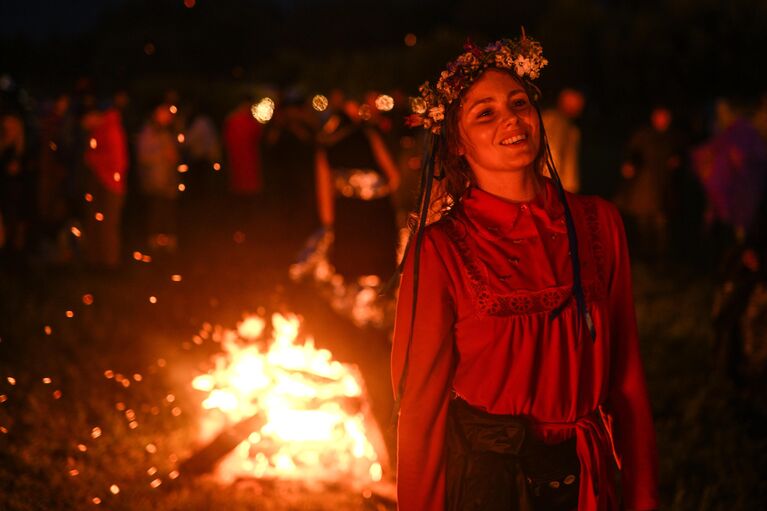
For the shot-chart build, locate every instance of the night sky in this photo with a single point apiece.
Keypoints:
(670, 51)
(42, 18)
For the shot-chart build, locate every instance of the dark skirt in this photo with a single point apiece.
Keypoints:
(494, 463)
(365, 237)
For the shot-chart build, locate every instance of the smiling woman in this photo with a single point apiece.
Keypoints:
(500, 135)
(515, 359)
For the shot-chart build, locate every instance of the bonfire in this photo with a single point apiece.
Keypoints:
(277, 407)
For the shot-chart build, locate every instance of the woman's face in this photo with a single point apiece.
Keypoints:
(499, 128)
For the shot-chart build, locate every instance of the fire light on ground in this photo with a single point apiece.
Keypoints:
(306, 415)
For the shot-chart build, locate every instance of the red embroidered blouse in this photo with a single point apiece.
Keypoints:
(490, 273)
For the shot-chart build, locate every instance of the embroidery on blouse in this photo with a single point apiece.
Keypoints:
(527, 302)
(596, 241)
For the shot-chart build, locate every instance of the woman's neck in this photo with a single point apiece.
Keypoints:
(514, 186)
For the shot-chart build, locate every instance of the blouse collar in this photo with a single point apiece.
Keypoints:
(499, 217)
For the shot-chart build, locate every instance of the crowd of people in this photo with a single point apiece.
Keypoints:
(690, 189)
(70, 163)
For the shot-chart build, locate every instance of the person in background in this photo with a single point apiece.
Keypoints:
(242, 143)
(289, 164)
(57, 149)
(732, 168)
(157, 155)
(106, 163)
(16, 187)
(203, 151)
(565, 137)
(652, 158)
(355, 176)
(242, 140)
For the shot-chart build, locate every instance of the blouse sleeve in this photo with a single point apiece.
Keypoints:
(628, 399)
(423, 407)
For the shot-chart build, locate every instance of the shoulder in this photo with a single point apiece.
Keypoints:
(437, 241)
(593, 206)
(599, 220)
(448, 228)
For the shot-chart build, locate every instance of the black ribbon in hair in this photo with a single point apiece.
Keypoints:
(415, 242)
(572, 238)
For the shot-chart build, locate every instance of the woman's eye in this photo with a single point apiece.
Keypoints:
(485, 113)
(519, 103)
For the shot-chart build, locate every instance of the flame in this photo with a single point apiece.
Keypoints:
(315, 426)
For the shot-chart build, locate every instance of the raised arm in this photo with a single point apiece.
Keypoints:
(383, 158)
(324, 187)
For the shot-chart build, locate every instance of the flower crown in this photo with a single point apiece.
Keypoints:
(523, 56)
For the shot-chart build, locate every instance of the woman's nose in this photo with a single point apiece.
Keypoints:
(510, 118)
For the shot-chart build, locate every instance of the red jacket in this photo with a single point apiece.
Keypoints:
(107, 152)
(242, 136)
(490, 273)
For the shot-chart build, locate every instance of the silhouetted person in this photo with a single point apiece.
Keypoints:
(652, 157)
(564, 137)
(16, 187)
(157, 155)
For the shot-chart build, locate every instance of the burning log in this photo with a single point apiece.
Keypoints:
(205, 459)
(297, 413)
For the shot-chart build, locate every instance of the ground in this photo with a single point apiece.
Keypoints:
(62, 377)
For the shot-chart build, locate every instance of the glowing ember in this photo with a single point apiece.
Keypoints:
(315, 424)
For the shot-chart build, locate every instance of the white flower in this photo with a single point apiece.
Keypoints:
(503, 59)
(522, 66)
(418, 105)
(437, 113)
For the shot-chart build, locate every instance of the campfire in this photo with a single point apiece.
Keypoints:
(277, 407)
